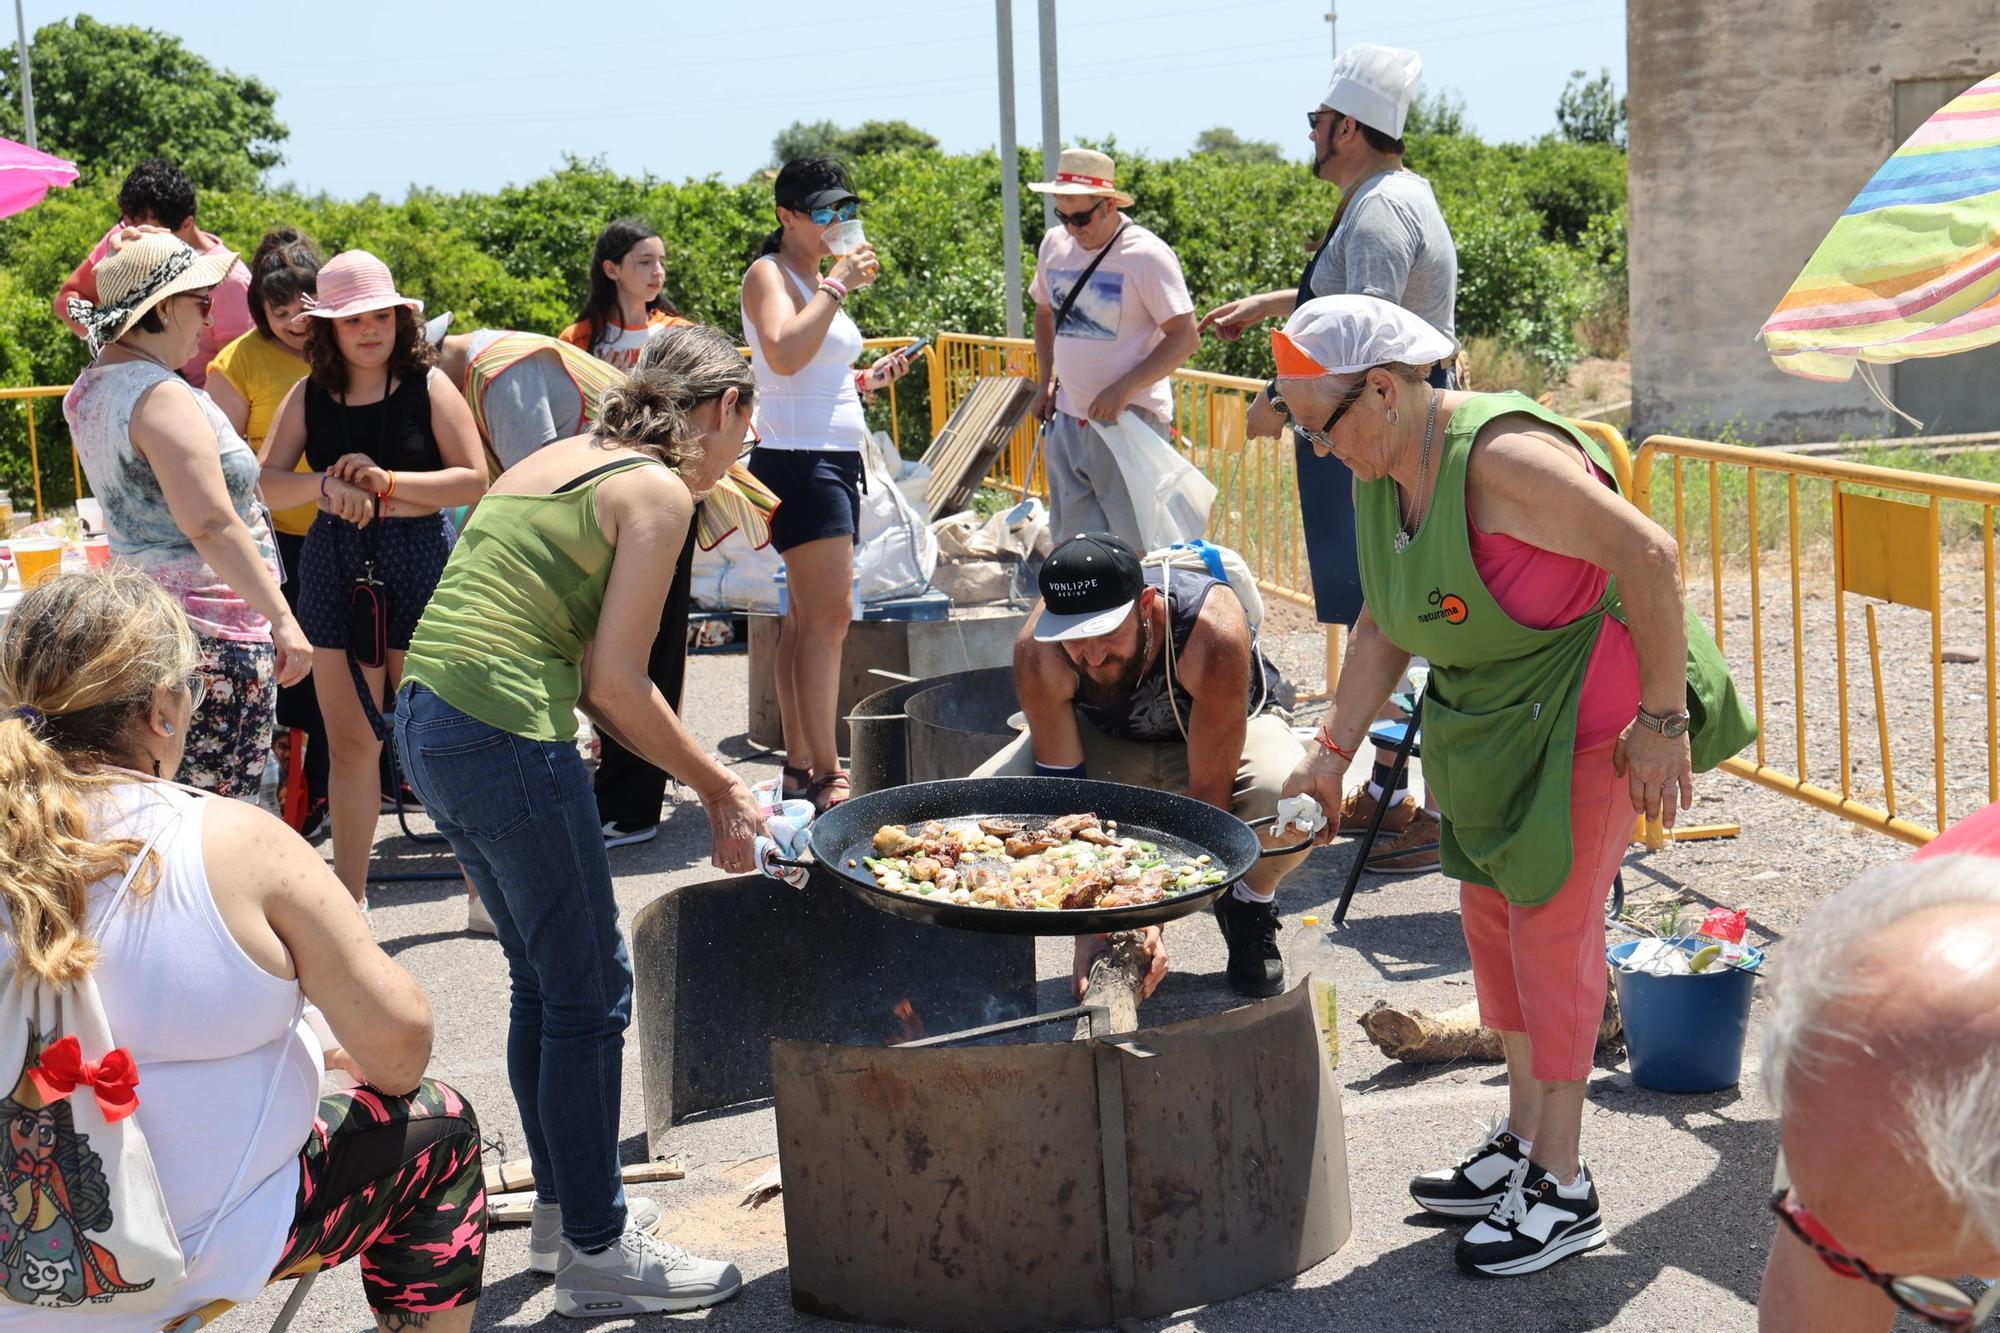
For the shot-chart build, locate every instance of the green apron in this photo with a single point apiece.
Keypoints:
(1500, 712)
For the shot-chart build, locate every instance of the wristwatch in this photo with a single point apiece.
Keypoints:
(1271, 392)
(1667, 724)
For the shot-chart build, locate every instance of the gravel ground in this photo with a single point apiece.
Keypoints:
(1683, 1178)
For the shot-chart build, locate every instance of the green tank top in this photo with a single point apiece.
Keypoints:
(1499, 722)
(503, 637)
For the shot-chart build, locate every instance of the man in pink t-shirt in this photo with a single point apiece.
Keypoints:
(157, 194)
(1110, 348)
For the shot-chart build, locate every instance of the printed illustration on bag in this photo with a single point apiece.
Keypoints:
(54, 1192)
(1451, 608)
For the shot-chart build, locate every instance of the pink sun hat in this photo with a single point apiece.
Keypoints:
(354, 282)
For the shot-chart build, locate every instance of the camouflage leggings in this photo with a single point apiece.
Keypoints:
(395, 1180)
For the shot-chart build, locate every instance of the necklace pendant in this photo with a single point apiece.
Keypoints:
(1402, 541)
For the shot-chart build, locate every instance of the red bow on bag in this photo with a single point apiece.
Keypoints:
(115, 1079)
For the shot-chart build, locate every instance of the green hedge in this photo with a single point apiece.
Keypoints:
(1540, 233)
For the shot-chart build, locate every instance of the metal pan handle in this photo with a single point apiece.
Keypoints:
(1263, 852)
(790, 864)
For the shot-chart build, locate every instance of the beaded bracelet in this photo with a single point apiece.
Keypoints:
(1325, 738)
(834, 288)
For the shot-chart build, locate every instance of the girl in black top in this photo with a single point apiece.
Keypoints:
(391, 444)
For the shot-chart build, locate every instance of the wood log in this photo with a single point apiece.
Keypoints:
(1115, 981)
(517, 1175)
(1419, 1038)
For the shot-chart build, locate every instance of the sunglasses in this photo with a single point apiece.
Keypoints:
(204, 299)
(846, 212)
(197, 688)
(1934, 1300)
(1313, 118)
(1079, 220)
(1322, 436)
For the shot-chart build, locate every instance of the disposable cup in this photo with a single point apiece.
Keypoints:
(92, 514)
(844, 238)
(97, 551)
(37, 559)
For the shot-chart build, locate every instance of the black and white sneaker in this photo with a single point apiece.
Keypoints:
(1475, 1185)
(1250, 929)
(617, 835)
(1538, 1223)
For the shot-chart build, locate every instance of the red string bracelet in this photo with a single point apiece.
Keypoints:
(1325, 738)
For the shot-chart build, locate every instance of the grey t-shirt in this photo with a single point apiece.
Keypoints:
(532, 403)
(1393, 243)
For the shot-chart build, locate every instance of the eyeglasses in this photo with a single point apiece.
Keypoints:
(750, 444)
(1323, 435)
(197, 688)
(1934, 1300)
(204, 300)
(1079, 220)
(1313, 118)
(846, 212)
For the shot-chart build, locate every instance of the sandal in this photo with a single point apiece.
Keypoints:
(794, 784)
(822, 791)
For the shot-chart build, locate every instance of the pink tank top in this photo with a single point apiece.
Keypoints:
(1541, 589)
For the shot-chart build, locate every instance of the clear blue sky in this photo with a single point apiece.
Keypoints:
(461, 95)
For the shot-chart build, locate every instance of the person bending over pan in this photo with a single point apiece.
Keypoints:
(1139, 673)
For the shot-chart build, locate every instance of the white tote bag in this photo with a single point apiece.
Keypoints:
(1169, 495)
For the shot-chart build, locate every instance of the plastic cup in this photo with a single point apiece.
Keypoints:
(97, 551)
(37, 559)
(844, 238)
(92, 514)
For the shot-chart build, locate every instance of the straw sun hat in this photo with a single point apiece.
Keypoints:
(140, 276)
(1081, 171)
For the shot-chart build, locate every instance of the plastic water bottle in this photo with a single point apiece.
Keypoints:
(1310, 951)
(267, 786)
(784, 594)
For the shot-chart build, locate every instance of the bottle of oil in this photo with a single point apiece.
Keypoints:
(1309, 953)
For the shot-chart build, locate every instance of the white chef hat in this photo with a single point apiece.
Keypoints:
(1345, 335)
(1374, 84)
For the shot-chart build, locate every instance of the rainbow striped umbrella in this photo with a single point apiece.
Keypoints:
(1912, 268)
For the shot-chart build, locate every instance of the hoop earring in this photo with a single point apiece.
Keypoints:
(1392, 418)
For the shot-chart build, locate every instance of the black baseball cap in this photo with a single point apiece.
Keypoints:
(832, 198)
(1089, 585)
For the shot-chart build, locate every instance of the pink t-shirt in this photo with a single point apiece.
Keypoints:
(1542, 590)
(228, 318)
(1115, 324)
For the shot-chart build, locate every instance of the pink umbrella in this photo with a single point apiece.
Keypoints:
(26, 175)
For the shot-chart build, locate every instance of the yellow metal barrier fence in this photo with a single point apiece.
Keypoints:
(27, 399)
(1907, 548)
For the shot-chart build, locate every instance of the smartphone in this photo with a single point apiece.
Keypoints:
(915, 349)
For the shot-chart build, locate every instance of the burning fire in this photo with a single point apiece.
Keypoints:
(912, 1025)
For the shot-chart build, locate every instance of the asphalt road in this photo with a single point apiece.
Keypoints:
(1683, 1178)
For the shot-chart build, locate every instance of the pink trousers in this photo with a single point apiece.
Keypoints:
(1540, 970)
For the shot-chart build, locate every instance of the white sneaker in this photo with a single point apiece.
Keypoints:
(545, 1230)
(480, 922)
(640, 1274)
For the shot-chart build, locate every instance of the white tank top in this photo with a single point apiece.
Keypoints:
(818, 408)
(209, 1030)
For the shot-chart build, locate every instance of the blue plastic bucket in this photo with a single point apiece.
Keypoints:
(1685, 1033)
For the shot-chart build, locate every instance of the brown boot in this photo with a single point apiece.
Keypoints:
(1359, 808)
(1414, 851)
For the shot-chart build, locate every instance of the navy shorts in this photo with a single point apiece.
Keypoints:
(409, 556)
(819, 494)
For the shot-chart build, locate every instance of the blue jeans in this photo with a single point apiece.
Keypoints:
(522, 819)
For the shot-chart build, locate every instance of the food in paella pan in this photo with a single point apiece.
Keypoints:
(1071, 863)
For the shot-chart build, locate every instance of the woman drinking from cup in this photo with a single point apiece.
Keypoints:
(1570, 690)
(549, 605)
(803, 347)
(179, 491)
(391, 443)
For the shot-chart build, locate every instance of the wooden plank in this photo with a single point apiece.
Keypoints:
(971, 441)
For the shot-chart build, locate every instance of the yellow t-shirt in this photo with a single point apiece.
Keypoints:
(263, 371)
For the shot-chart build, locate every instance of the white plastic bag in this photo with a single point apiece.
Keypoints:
(1169, 495)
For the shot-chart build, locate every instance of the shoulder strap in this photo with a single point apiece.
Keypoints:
(175, 814)
(1069, 302)
(575, 482)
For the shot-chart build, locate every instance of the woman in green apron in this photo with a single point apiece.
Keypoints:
(1570, 691)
